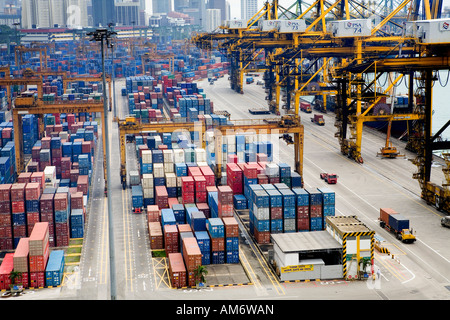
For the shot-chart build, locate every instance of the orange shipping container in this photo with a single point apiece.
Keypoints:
(191, 253)
(177, 270)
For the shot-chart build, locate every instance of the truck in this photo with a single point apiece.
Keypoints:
(318, 119)
(137, 199)
(397, 224)
(249, 80)
(305, 107)
(330, 178)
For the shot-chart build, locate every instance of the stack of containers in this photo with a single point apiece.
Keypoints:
(272, 171)
(177, 270)
(192, 258)
(6, 235)
(289, 208)
(315, 209)
(285, 173)
(260, 215)
(55, 268)
(171, 238)
(302, 209)
(225, 201)
(156, 235)
(20, 259)
(47, 215)
(200, 187)
(216, 232)
(32, 195)
(6, 268)
(56, 154)
(148, 190)
(204, 243)
(18, 211)
(146, 164)
(76, 223)
(161, 197)
(276, 208)
(240, 202)
(328, 202)
(231, 240)
(62, 211)
(38, 254)
(188, 189)
(250, 174)
(235, 178)
(179, 212)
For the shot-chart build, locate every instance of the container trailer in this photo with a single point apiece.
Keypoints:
(394, 222)
(318, 119)
(330, 178)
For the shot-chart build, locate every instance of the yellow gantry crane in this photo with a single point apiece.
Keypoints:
(283, 127)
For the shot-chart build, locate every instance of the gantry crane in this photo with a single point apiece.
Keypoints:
(66, 80)
(284, 127)
(20, 50)
(153, 56)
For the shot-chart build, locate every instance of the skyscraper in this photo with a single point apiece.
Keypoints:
(213, 19)
(161, 6)
(219, 4)
(103, 12)
(248, 8)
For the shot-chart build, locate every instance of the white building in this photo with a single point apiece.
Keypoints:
(248, 8)
(213, 19)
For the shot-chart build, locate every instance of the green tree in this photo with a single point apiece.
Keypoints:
(200, 274)
(15, 275)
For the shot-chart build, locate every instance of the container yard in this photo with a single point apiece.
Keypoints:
(236, 164)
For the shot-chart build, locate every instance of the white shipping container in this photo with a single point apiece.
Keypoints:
(200, 155)
(179, 184)
(272, 169)
(178, 156)
(147, 180)
(158, 170)
(50, 174)
(168, 155)
(231, 148)
(286, 26)
(146, 156)
(202, 164)
(268, 25)
(148, 193)
(134, 177)
(168, 167)
(171, 180)
(261, 213)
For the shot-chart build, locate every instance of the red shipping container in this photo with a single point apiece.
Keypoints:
(24, 177)
(18, 206)
(251, 170)
(187, 185)
(6, 244)
(6, 231)
(211, 188)
(225, 195)
(191, 253)
(303, 212)
(38, 242)
(153, 213)
(5, 207)
(39, 263)
(32, 191)
(225, 210)
(231, 227)
(194, 171)
(177, 270)
(61, 201)
(5, 192)
(38, 177)
(6, 268)
(273, 180)
(156, 235)
(315, 211)
(263, 179)
(5, 219)
(74, 173)
(302, 224)
(83, 184)
(57, 154)
(66, 164)
(209, 175)
(18, 191)
(32, 219)
(262, 237)
(37, 279)
(217, 244)
(201, 197)
(188, 197)
(161, 197)
(171, 238)
(200, 183)
(172, 201)
(46, 203)
(20, 231)
(232, 158)
(86, 147)
(276, 213)
(76, 200)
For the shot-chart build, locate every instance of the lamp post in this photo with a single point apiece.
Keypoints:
(103, 36)
(111, 26)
